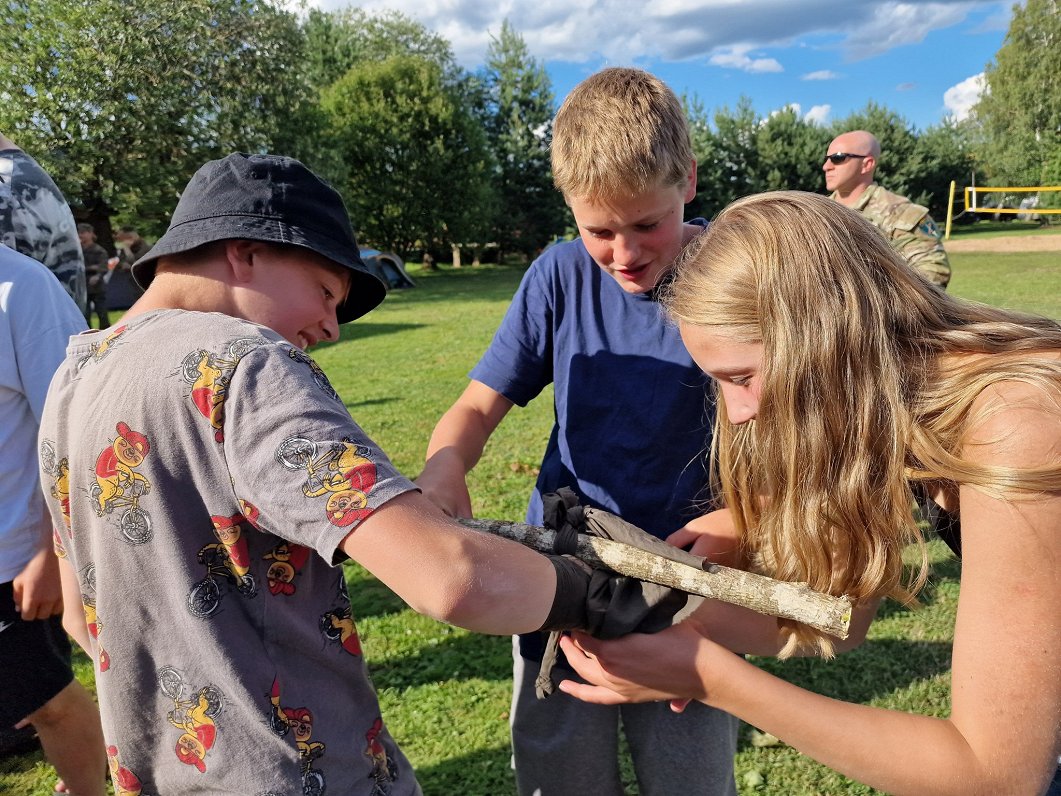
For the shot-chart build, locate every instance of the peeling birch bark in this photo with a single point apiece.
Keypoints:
(796, 601)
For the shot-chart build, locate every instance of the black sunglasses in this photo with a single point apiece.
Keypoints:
(840, 157)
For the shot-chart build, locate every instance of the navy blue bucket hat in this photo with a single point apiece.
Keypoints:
(272, 199)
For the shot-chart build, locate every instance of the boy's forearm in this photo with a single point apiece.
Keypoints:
(73, 613)
(458, 440)
(453, 574)
(462, 432)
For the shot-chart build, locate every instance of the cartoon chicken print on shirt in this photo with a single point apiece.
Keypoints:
(342, 472)
(119, 485)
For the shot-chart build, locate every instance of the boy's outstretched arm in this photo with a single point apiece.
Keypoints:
(456, 445)
(464, 577)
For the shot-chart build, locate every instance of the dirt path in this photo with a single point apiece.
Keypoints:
(1006, 243)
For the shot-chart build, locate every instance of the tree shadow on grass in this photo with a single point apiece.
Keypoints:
(948, 570)
(483, 771)
(874, 669)
(483, 283)
(361, 330)
(456, 658)
(19, 762)
(369, 596)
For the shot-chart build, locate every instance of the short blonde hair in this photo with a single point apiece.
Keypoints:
(620, 132)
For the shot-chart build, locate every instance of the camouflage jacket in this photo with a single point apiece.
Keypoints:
(36, 220)
(910, 229)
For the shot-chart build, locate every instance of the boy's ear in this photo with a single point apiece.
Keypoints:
(690, 184)
(239, 254)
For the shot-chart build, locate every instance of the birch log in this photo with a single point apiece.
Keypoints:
(796, 601)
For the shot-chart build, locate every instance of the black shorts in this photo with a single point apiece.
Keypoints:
(35, 660)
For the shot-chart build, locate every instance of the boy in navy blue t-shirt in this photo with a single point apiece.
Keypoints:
(631, 420)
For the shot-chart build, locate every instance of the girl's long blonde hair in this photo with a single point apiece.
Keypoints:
(860, 396)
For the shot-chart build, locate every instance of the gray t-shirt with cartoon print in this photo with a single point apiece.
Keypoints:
(202, 473)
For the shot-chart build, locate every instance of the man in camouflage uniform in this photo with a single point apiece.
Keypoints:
(849, 168)
(36, 220)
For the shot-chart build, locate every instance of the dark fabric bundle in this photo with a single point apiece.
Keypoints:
(616, 604)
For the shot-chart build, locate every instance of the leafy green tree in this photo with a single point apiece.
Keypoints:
(790, 152)
(709, 178)
(121, 100)
(339, 40)
(736, 132)
(417, 164)
(1020, 108)
(727, 160)
(943, 153)
(519, 119)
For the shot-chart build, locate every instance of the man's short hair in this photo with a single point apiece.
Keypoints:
(620, 132)
(127, 231)
(84, 226)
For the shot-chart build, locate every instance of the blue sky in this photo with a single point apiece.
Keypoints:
(922, 59)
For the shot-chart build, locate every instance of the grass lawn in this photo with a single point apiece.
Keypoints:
(984, 228)
(444, 691)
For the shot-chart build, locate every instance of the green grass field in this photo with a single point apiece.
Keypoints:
(444, 691)
(995, 229)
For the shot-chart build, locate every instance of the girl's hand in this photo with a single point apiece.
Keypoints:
(712, 536)
(639, 668)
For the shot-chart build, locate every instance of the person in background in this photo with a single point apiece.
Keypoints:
(97, 269)
(849, 167)
(131, 247)
(847, 387)
(35, 219)
(37, 318)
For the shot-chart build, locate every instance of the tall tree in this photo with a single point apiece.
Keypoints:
(121, 100)
(339, 40)
(1020, 108)
(943, 153)
(709, 179)
(790, 151)
(726, 155)
(519, 117)
(417, 164)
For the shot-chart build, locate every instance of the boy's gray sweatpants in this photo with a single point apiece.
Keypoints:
(565, 747)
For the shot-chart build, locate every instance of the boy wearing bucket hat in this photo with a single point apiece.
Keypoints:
(222, 428)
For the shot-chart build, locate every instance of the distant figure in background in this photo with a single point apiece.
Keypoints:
(96, 269)
(36, 220)
(849, 168)
(122, 290)
(131, 247)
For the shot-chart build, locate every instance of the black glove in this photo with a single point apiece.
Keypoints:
(615, 605)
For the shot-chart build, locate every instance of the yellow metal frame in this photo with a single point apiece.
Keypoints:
(970, 190)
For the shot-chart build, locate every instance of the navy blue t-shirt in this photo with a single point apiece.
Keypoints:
(633, 421)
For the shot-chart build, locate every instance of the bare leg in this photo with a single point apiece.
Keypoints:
(70, 734)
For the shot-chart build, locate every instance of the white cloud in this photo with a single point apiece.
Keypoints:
(896, 24)
(818, 115)
(736, 57)
(821, 74)
(621, 32)
(959, 99)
